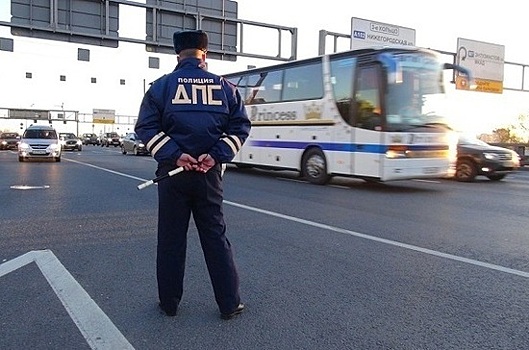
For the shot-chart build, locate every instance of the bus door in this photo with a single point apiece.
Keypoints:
(368, 122)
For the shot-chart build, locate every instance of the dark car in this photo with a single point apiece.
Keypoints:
(110, 138)
(9, 140)
(131, 143)
(475, 157)
(70, 142)
(90, 139)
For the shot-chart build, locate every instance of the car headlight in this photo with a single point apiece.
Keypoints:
(516, 158)
(141, 145)
(79, 142)
(490, 156)
(23, 146)
(54, 146)
(4, 143)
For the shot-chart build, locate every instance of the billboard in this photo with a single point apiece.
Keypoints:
(79, 21)
(216, 17)
(367, 34)
(104, 116)
(485, 61)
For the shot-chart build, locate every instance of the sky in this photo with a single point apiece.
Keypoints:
(438, 25)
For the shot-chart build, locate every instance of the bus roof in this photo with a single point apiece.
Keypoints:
(356, 53)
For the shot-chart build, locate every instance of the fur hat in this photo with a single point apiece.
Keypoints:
(191, 39)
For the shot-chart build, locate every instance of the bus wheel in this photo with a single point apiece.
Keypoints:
(314, 167)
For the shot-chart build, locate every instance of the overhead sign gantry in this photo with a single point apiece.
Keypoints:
(96, 22)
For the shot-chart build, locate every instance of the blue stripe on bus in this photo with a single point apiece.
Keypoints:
(341, 147)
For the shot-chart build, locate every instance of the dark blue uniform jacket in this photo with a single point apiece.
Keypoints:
(192, 111)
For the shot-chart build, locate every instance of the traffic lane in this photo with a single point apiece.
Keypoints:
(305, 287)
(69, 187)
(112, 158)
(69, 195)
(485, 221)
(399, 290)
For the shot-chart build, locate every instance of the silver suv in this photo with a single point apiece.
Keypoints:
(39, 141)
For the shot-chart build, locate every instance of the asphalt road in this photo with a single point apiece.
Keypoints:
(350, 265)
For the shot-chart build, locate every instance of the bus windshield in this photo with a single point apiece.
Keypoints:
(417, 99)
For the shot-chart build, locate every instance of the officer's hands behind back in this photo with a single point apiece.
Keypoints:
(203, 164)
(186, 161)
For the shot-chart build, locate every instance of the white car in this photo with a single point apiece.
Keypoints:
(39, 141)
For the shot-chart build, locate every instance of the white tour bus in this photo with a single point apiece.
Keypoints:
(375, 114)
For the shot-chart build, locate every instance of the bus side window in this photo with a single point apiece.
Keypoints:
(241, 82)
(263, 88)
(342, 75)
(303, 82)
(367, 111)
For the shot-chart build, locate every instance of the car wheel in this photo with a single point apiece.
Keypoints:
(465, 171)
(314, 167)
(80, 148)
(58, 159)
(135, 150)
(123, 150)
(20, 159)
(496, 177)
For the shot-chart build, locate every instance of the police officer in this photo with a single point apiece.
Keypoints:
(194, 119)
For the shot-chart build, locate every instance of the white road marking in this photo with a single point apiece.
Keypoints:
(385, 241)
(26, 187)
(104, 169)
(427, 181)
(98, 330)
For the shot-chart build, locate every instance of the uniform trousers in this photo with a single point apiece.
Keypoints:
(201, 195)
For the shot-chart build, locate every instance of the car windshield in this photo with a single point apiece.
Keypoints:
(65, 136)
(8, 136)
(471, 140)
(40, 134)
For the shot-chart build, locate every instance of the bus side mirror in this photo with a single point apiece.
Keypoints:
(462, 75)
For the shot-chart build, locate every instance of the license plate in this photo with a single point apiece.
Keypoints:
(39, 151)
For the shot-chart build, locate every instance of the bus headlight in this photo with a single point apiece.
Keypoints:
(395, 152)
